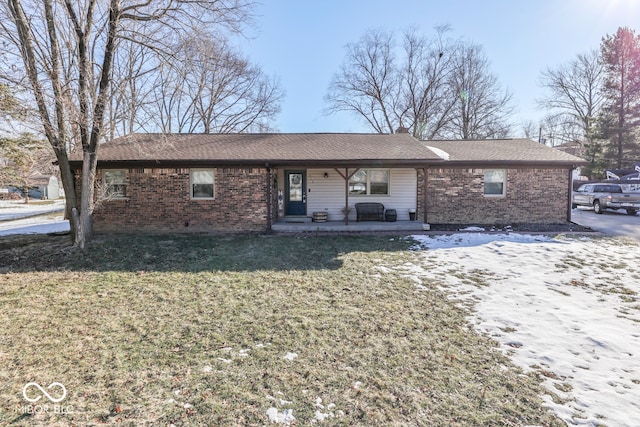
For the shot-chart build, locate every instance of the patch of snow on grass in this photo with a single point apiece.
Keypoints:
(556, 308)
(472, 229)
(321, 416)
(291, 356)
(11, 210)
(34, 225)
(474, 239)
(285, 417)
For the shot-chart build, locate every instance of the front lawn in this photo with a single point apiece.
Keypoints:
(201, 330)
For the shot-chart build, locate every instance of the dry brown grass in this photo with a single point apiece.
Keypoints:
(194, 330)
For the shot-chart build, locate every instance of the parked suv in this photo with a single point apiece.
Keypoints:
(605, 196)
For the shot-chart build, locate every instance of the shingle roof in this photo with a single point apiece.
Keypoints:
(315, 148)
(271, 148)
(500, 150)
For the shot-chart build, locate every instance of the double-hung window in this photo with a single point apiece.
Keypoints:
(369, 182)
(495, 182)
(115, 183)
(202, 184)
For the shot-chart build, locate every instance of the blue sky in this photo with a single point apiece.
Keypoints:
(302, 42)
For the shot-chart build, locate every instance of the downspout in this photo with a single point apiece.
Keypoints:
(346, 196)
(424, 195)
(570, 195)
(269, 201)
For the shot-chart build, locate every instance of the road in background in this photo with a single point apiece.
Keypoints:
(616, 223)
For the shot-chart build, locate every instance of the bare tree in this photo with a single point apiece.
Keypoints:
(436, 88)
(210, 88)
(529, 129)
(424, 80)
(556, 129)
(574, 94)
(63, 54)
(131, 92)
(482, 108)
(368, 83)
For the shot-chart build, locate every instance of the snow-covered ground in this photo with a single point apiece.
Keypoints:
(567, 308)
(10, 210)
(21, 218)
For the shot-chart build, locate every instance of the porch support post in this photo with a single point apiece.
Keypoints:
(346, 176)
(346, 196)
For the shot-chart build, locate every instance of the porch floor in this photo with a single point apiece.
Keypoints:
(287, 226)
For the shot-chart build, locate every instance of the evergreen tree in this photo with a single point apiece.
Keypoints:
(620, 118)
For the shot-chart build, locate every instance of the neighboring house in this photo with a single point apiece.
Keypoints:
(249, 182)
(47, 185)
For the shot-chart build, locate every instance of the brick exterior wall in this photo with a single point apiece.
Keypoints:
(456, 196)
(159, 200)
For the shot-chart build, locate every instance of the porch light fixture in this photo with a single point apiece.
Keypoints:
(326, 174)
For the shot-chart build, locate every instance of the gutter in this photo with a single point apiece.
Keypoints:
(116, 164)
(416, 163)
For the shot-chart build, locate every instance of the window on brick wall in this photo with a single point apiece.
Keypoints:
(495, 182)
(369, 182)
(115, 183)
(202, 184)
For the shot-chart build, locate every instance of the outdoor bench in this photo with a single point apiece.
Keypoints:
(369, 211)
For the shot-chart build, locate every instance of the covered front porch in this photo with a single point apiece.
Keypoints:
(336, 192)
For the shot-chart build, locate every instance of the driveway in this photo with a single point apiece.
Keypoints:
(616, 223)
(32, 218)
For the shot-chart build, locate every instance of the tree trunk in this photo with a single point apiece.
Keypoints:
(25, 190)
(69, 187)
(84, 230)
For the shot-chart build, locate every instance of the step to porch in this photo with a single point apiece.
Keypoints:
(297, 219)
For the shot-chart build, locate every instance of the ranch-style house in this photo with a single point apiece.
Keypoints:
(261, 182)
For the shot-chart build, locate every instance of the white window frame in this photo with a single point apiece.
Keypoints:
(485, 181)
(192, 183)
(108, 183)
(368, 183)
